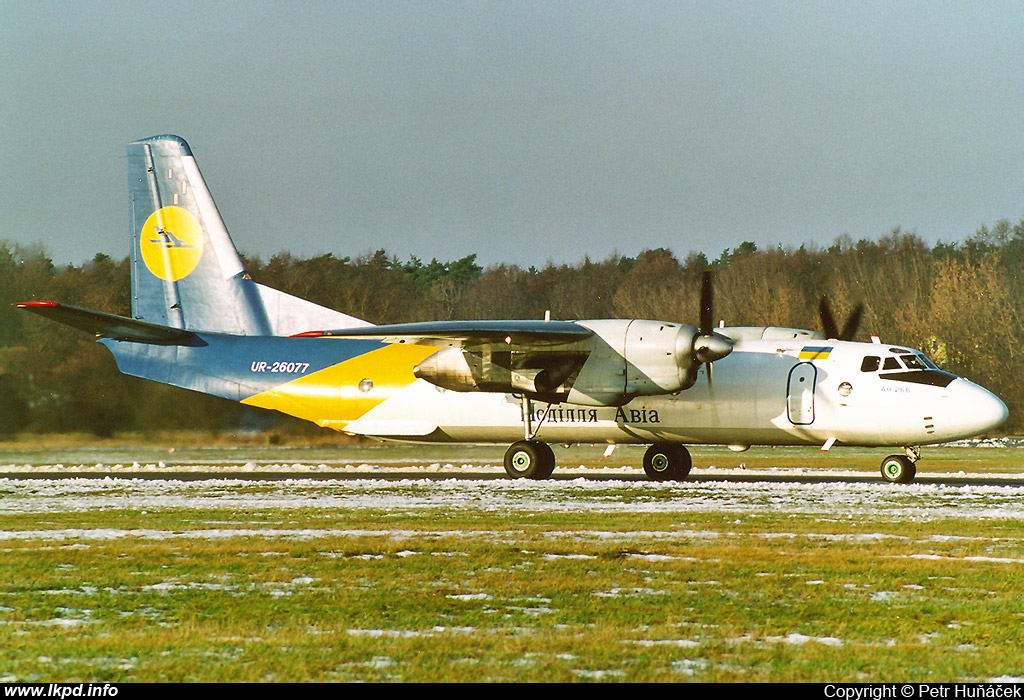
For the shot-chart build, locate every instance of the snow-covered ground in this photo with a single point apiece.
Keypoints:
(237, 507)
(440, 486)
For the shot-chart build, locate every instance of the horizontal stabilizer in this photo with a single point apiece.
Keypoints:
(104, 325)
(467, 333)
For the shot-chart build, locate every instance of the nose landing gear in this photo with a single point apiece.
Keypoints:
(901, 469)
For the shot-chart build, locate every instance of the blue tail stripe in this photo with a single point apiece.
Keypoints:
(234, 367)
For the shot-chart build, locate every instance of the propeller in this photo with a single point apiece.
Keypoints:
(831, 328)
(708, 346)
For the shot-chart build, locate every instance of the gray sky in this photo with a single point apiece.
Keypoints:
(525, 132)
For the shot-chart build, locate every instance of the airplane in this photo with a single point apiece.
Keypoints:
(200, 322)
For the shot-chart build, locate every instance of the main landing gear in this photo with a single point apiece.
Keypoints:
(533, 459)
(667, 462)
(901, 469)
(529, 459)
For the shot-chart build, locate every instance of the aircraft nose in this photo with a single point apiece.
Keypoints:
(978, 409)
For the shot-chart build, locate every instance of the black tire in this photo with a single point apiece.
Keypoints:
(897, 469)
(529, 459)
(667, 462)
(548, 463)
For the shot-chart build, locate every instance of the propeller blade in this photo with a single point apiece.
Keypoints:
(852, 323)
(707, 319)
(831, 328)
(828, 321)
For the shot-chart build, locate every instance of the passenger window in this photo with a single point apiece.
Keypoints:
(891, 363)
(870, 364)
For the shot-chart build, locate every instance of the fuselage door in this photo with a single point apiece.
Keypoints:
(800, 396)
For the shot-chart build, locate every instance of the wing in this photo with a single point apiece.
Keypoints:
(520, 335)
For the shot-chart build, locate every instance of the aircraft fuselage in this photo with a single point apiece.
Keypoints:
(766, 392)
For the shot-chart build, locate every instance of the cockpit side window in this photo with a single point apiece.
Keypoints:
(892, 363)
(870, 363)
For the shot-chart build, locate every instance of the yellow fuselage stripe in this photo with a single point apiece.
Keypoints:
(333, 397)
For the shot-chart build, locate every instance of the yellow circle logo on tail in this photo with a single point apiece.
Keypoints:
(171, 243)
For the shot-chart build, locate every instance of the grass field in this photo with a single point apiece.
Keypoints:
(458, 579)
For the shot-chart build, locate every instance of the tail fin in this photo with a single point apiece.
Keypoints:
(186, 272)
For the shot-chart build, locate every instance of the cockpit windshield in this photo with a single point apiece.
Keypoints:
(911, 361)
(906, 366)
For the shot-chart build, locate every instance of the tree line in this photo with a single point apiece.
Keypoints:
(961, 302)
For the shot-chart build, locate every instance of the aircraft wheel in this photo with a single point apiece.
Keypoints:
(667, 462)
(897, 469)
(529, 459)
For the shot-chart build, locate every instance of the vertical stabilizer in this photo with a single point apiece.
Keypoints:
(186, 272)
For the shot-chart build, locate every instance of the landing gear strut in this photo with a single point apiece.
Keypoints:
(667, 462)
(901, 469)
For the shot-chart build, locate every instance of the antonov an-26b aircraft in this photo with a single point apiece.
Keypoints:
(201, 323)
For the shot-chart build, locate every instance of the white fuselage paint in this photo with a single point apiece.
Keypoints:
(761, 394)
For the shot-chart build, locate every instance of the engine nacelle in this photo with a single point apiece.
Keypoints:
(642, 358)
(535, 373)
(659, 358)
